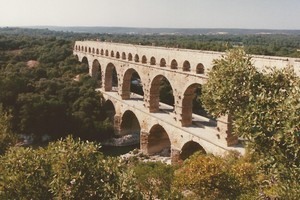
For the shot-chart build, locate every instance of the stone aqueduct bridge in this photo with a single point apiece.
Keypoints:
(161, 126)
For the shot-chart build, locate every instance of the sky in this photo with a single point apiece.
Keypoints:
(253, 14)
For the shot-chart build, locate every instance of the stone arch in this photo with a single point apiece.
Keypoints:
(82, 48)
(130, 124)
(93, 50)
(106, 52)
(85, 49)
(200, 69)
(152, 61)
(158, 141)
(102, 52)
(110, 110)
(144, 59)
(189, 149)
(124, 56)
(130, 57)
(112, 54)
(187, 104)
(186, 66)
(136, 58)
(85, 60)
(162, 62)
(96, 72)
(97, 51)
(174, 64)
(76, 47)
(127, 83)
(111, 78)
(117, 55)
(90, 50)
(155, 93)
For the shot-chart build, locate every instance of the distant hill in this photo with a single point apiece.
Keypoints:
(168, 31)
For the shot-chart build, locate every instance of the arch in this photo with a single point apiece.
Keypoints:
(160, 90)
(111, 78)
(93, 50)
(186, 66)
(162, 62)
(85, 60)
(174, 64)
(152, 61)
(102, 52)
(97, 51)
(144, 59)
(112, 54)
(117, 55)
(106, 52)
(96, 72)
(189, 149)
(130, 57)
(90, 50)
(158, 141)
(76, 47)
(85, 49)
(130, 124)
(82, 48)
(124, 56)
(200, 69)
(131, 83)
(136, 58)
(110, 110)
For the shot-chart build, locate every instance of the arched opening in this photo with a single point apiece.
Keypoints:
(110, 111)
(130, 57)
(159, 141)
(191, 104)
(124, 56)
(96, 73)
(111, 78)
(186, 66)
(97, 51)
(117, 55)
(144, 60)
(200, 69)
(93, 50)
(76, 47)
(162, 62)
(174, 64)
(85, 49)
(90, 50)
(85, 64)
(189, 149)
(106, 52)
(132, 84)
(82, 48)
(161, 91)
(136, 58)
(102, 52)
(152, 61)
(112, 54)
(130, 124)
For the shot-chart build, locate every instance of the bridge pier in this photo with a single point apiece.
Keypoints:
(117, 124)
(224, 124)
(175, 156)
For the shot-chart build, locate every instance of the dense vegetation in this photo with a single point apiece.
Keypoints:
(43, 97)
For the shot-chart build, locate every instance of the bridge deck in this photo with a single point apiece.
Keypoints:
(202, 127)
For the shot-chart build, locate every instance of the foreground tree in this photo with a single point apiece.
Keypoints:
(66, 169)
(265, 110)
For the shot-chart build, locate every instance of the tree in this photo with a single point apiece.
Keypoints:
(265, 109)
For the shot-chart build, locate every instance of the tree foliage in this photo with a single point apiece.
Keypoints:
(265, 109)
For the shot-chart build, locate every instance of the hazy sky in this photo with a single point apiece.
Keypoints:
(269, 14)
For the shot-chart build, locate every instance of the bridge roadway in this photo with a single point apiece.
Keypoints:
(203, 131)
